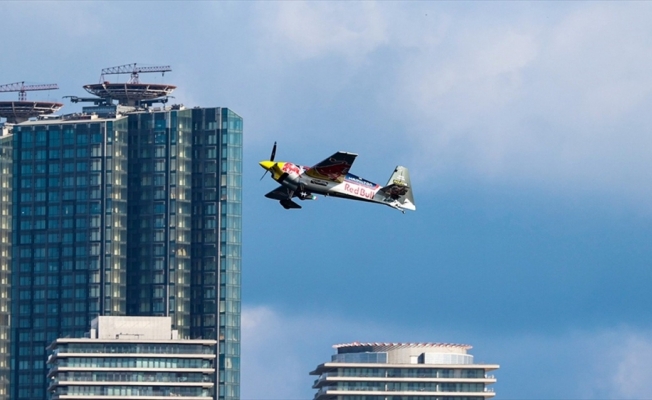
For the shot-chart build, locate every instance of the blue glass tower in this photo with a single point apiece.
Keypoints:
(125, 214)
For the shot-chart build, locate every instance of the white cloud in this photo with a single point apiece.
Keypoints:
(559, 103)
(57, 20)
(633, 377)
(304, 30)
(626, 365)
(554, 98)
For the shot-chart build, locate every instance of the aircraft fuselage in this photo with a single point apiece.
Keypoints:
(302, 180)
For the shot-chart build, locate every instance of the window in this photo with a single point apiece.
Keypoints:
(68, 136)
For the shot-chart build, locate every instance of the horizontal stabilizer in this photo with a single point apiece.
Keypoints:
(287, 204)
(280, 193)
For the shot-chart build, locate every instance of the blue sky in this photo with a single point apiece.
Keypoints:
(526, 128)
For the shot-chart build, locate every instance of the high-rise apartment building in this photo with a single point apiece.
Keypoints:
(403, 371)
(122, 211)
(130, 358)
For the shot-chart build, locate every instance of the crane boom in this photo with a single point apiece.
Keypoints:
(134, 70)
(21, 88)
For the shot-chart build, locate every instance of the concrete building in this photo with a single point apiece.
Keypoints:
(131, 358)
(403, 371)
(123, 209)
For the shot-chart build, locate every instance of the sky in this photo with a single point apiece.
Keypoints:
(525, 126)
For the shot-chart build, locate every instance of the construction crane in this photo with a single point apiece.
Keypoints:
(21, 88)
(134, 70)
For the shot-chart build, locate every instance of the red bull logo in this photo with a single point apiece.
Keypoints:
(291, 168)
(359, 191)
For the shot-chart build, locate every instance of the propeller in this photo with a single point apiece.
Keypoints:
(271, 158)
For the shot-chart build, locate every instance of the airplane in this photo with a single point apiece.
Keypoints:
(331, 177)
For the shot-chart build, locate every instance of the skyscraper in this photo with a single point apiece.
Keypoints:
(125, 210)
(403, 371)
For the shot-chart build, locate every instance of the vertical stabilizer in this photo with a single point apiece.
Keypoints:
(401, 178)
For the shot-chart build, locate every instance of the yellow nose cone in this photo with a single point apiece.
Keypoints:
(267, 164)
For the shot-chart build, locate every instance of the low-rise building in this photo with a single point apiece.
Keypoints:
(131, 358)
(403, 371)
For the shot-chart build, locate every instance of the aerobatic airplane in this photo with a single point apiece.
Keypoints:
(331, 177)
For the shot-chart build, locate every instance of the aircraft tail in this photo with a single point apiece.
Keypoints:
(399, 187)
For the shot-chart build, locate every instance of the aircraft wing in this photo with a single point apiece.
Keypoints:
(280, 193)
(333, 168)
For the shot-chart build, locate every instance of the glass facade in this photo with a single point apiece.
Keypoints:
(217, 235)
(134, 215)
(5, 258)
(159, 216)
(365, 357)
(70, 243)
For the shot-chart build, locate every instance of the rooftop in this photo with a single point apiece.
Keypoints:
(384, 346)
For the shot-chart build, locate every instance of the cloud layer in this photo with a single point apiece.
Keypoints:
(518, 94)
(512, 94)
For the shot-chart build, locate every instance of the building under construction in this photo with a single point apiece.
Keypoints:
(127, 208)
